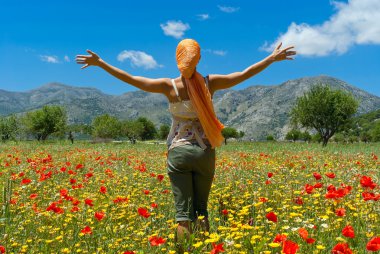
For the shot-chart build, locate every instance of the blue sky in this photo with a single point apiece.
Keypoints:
(40, 39)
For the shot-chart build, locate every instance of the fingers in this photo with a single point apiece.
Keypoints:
(279, 45)
(92, 53)
(289, 58)
(85, 66)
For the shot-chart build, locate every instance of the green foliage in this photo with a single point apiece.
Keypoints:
(270, 138)
(51, 119)
(293, 134)
(133, 130)
(106, 126)
(241, 134)
(164, 131)
(8, 128)
(149, 130)
(328, 111)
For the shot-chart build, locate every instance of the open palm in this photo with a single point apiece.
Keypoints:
(283, 54)
(92, 59)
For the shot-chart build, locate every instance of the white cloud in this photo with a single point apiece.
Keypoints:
(66, 58)
(228, 9)
(49, 59)
(356, 22)
(216, 52)
(175, 28)
(138, 59)
(203, 16)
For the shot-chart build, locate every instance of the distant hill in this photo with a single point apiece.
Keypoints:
(257, 110)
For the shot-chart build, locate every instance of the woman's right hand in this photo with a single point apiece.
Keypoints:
(92, 59)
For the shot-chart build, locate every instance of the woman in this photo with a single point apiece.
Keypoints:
(195, 130)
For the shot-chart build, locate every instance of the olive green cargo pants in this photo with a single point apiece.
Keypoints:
(191, 171)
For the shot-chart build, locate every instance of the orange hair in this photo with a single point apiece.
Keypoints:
(188, 54)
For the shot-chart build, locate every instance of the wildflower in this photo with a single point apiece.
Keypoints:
(271, 216)
(340, 212)
(88, 202)
(156, 241)
(217, 248)
(341, 248)
(317, 176)
(99, 215)
(348, 231)
(143, 212)
(103, 189)
(366, 182)
(289, 247)
(86, 230)
(374, 244)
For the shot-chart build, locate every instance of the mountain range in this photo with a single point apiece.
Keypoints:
(257, 110)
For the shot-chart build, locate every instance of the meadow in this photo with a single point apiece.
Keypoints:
(267, 197)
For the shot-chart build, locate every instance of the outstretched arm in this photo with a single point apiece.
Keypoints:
(218, 82)
(147, 84)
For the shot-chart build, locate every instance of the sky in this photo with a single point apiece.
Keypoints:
(40, 39)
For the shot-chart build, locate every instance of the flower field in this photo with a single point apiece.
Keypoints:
(116, 198)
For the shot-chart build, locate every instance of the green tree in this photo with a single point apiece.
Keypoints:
(149, 130)
(229, 132)
(270, 138)
(164, 131)
(328, 111)
(305, 136)
(9, 127)
(293, 134)
(133, 130)
(41, 123)
(375, 132)
(241, 134)
(106, 126)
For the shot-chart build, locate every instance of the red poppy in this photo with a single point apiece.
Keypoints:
(310, 240)
(271, 216)
(303, 233)
(298, 201)
(79, 166)
(74, 209)
(146, 192)
(224, 211)
(88, 202)
(318, 185)
(340, 212)
(317, 176)
(341, 248)
(279, 238)
(103, 189)
(270, 174)
(160, 177)
(261, 199)
(367, 182)
(216, 248)
(267, 182)
(143, 212)
(2, 249)
(99, 215)
(86, 230)
(374, 244)
(25, 181)
(156, 241)
(309, 188)
(129, 252)
(289, 247)
(348, 231)
(72, 180)
(330, 175)
(154, 205)
(33, 195)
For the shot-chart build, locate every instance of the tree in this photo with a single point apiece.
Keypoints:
(164, 131)
(305, 136)
(51, 119)
(241, 134)
(328, 111)
(149, 130)
(229, 132)
(293, 134)
(133, 130)
(270, 138)
(8, 128)
(106, 126)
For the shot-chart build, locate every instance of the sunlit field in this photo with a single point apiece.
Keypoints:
(116, 198)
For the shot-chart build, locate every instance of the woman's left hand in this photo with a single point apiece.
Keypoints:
(282, 54)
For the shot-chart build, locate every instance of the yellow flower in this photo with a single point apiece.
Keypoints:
(321, 247)
(274, 245)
